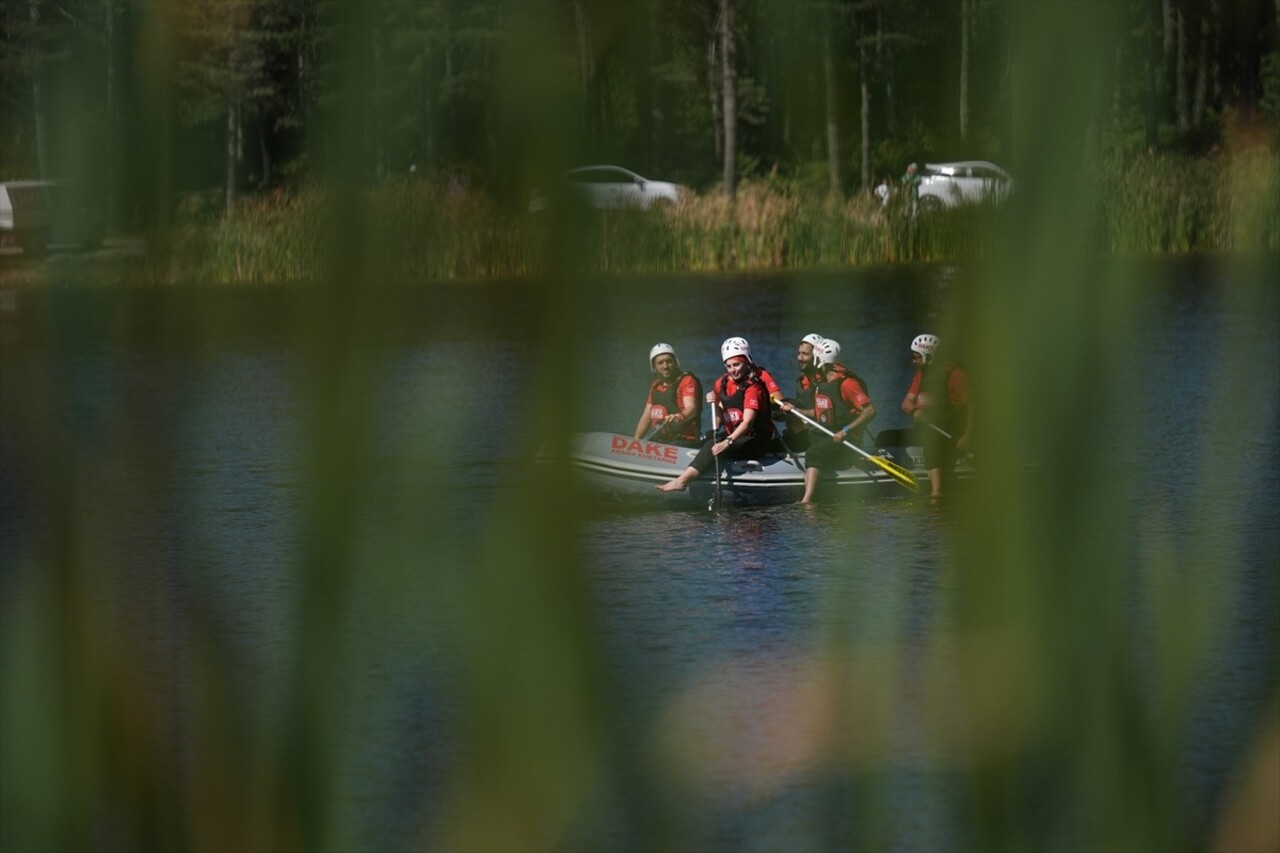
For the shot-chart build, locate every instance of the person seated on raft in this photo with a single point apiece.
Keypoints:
(743, 400)
(673, 409)
(796, 438)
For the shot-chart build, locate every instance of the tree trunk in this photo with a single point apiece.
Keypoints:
(1203, 70)
(376, 128)
(1150, 92)
(729, 92)
(584, 60)
(110, 181)
(966, 25)
(834, 177)
(1169, 43)
(264, 148)
(1117, 88)
(1180, 74)
(644, 91)
(428, 112)
(37, 101)
(884, 67)
(233, 137)
(864, 118)
(713, 90)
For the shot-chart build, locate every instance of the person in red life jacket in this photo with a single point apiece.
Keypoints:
(771, 385)
(938, 401)
(674, 404)
(744, 403)
(798, 436)
(842, 405)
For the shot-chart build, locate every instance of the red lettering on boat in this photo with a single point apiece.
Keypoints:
(653, 450)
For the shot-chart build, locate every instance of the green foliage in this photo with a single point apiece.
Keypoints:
(1145, 205)
(1271, 85)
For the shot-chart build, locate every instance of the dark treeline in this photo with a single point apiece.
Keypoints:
(152, 101)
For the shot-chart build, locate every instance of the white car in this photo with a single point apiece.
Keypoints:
(946, 185)
(34, 214)
(610, 188)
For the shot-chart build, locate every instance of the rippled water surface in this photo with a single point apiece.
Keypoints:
(180, 473)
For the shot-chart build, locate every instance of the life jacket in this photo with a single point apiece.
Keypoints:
(734, 404)
(771, 387)
(805, 384)
(664, 400)
(933, 394)
(831, 409)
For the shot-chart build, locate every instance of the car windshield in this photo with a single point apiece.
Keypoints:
(602, 176)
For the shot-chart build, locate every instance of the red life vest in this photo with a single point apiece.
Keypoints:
(664, 400)
(830, 407)
(734, 397)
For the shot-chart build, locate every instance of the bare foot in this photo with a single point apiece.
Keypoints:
(672, 486)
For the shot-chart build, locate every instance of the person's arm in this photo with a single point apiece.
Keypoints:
(642, 426)
(748, 415)
(958, 393)
(909, 401)
(856, 397)
(689, 403)
(775, 390)
(963, 440)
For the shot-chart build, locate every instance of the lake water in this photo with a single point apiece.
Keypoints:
(301, 577)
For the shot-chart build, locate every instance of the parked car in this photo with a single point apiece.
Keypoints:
(35, 214)
(609, 188)
(946, 185)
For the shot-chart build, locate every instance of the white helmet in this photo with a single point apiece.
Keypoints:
(826, 353)
(659, 349)
(812, 339)
(926, 345)
(735, 346)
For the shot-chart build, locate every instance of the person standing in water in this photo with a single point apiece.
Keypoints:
(842, 405)
(938, 402)
(797, 436)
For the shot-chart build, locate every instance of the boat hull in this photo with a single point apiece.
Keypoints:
(622, 469)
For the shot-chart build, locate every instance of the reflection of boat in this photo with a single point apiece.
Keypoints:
(628, 470)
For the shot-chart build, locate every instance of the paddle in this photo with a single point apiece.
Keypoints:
(715, 428)
(660, 428)
(949, 437)
(897, 472)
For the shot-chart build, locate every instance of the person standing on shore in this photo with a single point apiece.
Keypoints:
(674, 404)
(938, 402)
(883, 191)
(911, 188)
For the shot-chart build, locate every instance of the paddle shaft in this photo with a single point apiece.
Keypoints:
(949, 437)
(902, 476)
(715, 458)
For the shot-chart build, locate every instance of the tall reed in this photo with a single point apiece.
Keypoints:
(1147, 204)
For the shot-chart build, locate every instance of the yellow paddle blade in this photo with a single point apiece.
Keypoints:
(902, 475)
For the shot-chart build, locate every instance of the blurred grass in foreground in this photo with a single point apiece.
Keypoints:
(1033, 706)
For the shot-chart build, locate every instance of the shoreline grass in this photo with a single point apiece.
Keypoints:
(418, 230)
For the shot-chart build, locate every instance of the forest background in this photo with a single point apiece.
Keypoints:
(220, 128)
